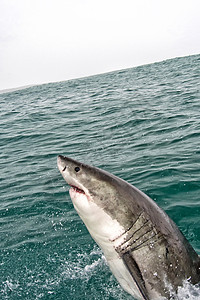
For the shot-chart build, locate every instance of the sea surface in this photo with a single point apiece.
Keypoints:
(142, 124)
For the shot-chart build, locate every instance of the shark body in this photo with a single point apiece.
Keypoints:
(145, 250)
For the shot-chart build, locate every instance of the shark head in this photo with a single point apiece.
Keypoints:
(94, 196)
(91, 186)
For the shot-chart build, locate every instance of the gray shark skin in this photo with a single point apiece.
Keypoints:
(145, 250)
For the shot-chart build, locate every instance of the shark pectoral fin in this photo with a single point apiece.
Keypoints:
(135, 273)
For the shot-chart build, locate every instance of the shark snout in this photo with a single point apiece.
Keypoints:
(61, 163)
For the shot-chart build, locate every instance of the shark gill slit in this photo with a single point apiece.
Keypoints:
(127, 231)
(143, 244)
(132, 235)
(135, 241)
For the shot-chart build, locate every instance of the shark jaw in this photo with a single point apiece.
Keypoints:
(77, 190)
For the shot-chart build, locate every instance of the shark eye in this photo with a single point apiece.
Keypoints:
(77, 169)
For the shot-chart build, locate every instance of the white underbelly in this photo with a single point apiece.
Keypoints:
(104, 230)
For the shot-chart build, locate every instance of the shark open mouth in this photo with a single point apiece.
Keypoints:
(76, 189)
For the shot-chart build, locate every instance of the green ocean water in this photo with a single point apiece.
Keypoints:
(142, 124)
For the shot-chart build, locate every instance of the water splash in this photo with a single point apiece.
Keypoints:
(189, 291)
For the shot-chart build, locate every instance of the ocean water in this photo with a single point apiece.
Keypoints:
(142, 124)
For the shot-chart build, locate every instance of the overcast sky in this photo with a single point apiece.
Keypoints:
(54, 40)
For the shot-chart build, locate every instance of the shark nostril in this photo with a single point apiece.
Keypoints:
(64, 168)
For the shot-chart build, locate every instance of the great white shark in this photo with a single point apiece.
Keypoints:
(145, 250)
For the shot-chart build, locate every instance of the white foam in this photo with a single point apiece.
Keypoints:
(84, 269)
(80, 269)
(189, 291)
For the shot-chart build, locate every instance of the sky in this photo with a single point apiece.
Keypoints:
(45, 41)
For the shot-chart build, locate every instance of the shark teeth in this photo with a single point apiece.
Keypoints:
(76, 189)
